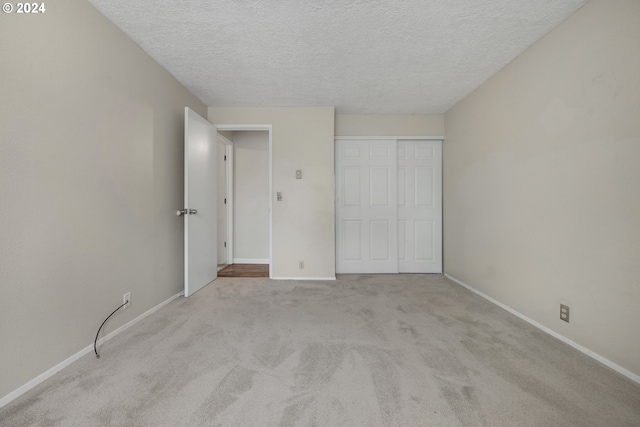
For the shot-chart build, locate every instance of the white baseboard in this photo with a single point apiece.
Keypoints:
(60, 366)
(250, 261)
(553, 333)
(303, 278)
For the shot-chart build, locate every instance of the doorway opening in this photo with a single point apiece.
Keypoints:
(244, 201)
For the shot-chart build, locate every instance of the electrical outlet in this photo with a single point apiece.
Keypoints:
(564, 312)
(298, 173)
(301, 265)
(126, 298)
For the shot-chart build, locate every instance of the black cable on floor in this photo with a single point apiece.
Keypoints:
(95, 342)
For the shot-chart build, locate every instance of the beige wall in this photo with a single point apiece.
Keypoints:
(303, 223)
(227, 134)
(91, 164)
(541, 182)
(389, 125)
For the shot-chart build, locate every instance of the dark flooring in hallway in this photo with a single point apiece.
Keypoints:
(245, 270)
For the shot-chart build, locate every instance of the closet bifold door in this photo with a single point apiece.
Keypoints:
(388, 206)
(366, 206)
(419, 206)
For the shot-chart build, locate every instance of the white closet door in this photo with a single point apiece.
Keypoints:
(366, 211)
(420, 206)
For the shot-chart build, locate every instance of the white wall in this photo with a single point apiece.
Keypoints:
(542, 178)
(389, 125)
(304, 222)
(251, 196)
(91, 166)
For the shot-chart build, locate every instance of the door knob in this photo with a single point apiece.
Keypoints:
(187, 212)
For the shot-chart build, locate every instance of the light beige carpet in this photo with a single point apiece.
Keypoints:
(408, 350)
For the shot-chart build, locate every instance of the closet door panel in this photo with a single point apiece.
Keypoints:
(420, 183)
(366, 207)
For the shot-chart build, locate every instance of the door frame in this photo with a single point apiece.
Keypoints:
(246, 127)
(228, 152)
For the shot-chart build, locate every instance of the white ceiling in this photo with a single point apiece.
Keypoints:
(361, 56)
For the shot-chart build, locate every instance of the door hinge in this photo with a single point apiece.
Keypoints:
(225, 244)
(225, 201)
(225, 158)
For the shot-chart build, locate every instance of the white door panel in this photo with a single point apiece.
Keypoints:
(380, 237)
(366, 231)
(351, 187)
(200, 204)
(420, 190)
(352, 238)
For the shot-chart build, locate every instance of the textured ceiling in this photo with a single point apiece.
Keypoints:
(361, 56)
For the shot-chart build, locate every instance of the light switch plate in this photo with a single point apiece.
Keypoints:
(299, 174)
(279, 196)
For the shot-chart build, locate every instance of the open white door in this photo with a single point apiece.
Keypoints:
(200, 207)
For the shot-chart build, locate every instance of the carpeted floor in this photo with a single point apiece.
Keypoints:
(407, 350)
